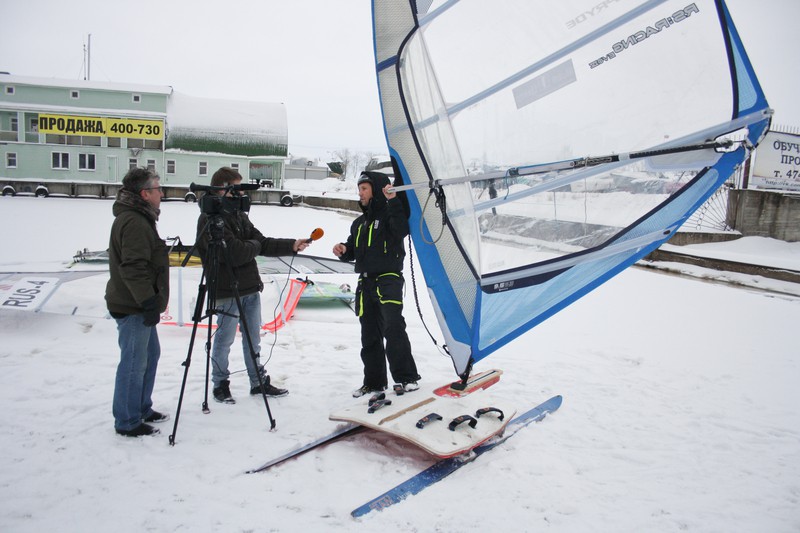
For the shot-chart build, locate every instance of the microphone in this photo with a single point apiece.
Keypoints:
(316, 235)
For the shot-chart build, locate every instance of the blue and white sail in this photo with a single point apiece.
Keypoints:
(546, 145)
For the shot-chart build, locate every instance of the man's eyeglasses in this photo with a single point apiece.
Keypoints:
(152, 188)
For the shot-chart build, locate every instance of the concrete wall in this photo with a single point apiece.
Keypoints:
(334, 203)
(756, 213)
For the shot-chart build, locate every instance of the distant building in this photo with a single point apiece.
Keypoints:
(303, 169)
(75, 130)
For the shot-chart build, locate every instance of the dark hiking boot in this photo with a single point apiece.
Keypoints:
(269, 390)
(156, 417)
(222, 392)
(139, 431)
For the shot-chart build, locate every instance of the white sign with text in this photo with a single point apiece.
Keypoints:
(28, 294)
(777, 163)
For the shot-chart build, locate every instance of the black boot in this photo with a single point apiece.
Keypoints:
(222, 392)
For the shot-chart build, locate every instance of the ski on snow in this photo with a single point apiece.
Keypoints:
(341, 432)
(445, 467)
(478, 381)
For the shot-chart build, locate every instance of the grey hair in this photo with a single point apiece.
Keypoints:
(138, 179)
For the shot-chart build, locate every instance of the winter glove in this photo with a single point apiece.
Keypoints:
(151, 315)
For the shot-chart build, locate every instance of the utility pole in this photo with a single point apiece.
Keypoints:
(87, 58)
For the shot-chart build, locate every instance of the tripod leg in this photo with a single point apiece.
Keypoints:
(187, 363)
(249, 343)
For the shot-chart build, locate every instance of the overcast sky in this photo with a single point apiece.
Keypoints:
(315, 56)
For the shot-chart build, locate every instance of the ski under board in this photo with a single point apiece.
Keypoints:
(342, 431)
(445, 467)
(442, 426)
(477, 382)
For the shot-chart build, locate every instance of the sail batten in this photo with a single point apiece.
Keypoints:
(515, 211)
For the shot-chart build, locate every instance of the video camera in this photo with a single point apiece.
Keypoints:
(217, 201)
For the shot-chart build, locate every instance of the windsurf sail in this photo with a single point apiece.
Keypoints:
(546, 145)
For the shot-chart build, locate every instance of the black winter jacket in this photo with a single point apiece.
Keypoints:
(244, 243)
(376, 237)
(138, 262)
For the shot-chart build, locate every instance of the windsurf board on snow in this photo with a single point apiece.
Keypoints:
(444, 426)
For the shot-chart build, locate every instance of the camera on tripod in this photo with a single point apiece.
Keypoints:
(211, 204)
(223, 200)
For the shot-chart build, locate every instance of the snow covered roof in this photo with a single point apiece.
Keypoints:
(229, 126)
(9, 79)
(192, 112)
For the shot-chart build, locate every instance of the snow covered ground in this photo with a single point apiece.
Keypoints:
(680, 409)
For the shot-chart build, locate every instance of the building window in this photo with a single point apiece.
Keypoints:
(11, 160)
(235, 166)
(74, 94)
(83, 140)
(202, 168)
(132, 163)
(151, 164)
(137, 98)
(86, 162)
(9, 89)
(114, 142)
(170, 166)
(35, 125)
(60, 161)
(14, 124)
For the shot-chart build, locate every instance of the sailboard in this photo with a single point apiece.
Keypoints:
(545, 146)
(442, 426)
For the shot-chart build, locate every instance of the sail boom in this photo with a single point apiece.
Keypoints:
(676, 146)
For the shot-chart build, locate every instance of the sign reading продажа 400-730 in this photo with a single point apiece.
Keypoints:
(101, 126)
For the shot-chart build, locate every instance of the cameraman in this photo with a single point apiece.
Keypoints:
(243, 242)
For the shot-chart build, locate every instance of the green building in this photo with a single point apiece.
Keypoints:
(54, 130)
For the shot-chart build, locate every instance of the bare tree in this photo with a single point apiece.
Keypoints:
(345, 156)
(353, 162)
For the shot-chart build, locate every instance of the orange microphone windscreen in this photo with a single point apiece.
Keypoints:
(316, 234)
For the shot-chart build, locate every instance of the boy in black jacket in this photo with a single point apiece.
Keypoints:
(244, 243)
(376, 245)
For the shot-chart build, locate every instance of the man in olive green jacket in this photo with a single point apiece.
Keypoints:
(136, 295)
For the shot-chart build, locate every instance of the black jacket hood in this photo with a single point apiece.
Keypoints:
(378, 180)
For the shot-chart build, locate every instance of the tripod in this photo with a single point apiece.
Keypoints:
(206, 293)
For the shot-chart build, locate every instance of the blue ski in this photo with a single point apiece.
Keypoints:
(445, 467)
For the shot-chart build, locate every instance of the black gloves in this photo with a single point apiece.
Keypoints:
(151, 314)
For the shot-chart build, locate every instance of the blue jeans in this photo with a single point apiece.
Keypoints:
(226, 333)
(136, 372)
